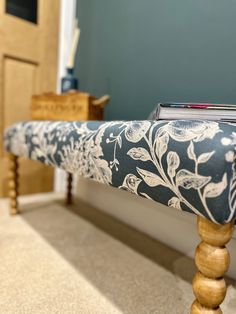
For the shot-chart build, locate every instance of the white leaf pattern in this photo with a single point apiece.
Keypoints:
(190, 151)
(131, 183)
(188, 179)
(204, 157)
(174, 202)
(139, 153)
(119, 141)
(161, 145)
(150, 178)
(215, 189)
(172, 163)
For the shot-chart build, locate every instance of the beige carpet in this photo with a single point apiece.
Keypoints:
(79, 260)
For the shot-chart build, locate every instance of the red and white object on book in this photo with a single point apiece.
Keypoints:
(192, 111)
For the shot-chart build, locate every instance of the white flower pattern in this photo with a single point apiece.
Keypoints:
(188, 165)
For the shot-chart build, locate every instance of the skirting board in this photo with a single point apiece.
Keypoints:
(175, 229)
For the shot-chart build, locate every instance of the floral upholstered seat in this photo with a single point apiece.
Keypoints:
(188, 165)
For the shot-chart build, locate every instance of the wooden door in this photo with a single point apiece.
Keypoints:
(28, 65)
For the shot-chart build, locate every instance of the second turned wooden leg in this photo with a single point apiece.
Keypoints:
(212, 260)
(69, 197)
(13, 183)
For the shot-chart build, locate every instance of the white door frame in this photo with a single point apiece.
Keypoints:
(67, 16)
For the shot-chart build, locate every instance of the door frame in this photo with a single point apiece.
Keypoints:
(67, 16)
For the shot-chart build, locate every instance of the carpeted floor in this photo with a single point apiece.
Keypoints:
(79, 260)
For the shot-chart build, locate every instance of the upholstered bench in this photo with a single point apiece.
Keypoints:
(187, 165)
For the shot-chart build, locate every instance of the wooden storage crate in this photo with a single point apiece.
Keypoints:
(72, 106)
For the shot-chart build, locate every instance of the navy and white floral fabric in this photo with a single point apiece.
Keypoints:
(188, 165)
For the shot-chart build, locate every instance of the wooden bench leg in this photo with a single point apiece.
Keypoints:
(212, 260)
(69, 196)
(13, 183)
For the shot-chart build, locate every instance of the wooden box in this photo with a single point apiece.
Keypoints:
(72, 106)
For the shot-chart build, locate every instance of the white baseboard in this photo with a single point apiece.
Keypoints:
(176, 229)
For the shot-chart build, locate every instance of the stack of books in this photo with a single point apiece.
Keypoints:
(205, 111)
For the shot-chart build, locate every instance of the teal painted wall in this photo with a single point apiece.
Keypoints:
(142, 52)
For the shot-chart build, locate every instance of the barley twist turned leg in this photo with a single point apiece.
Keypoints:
(13, 183)
(212, 260)
(69, 198)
